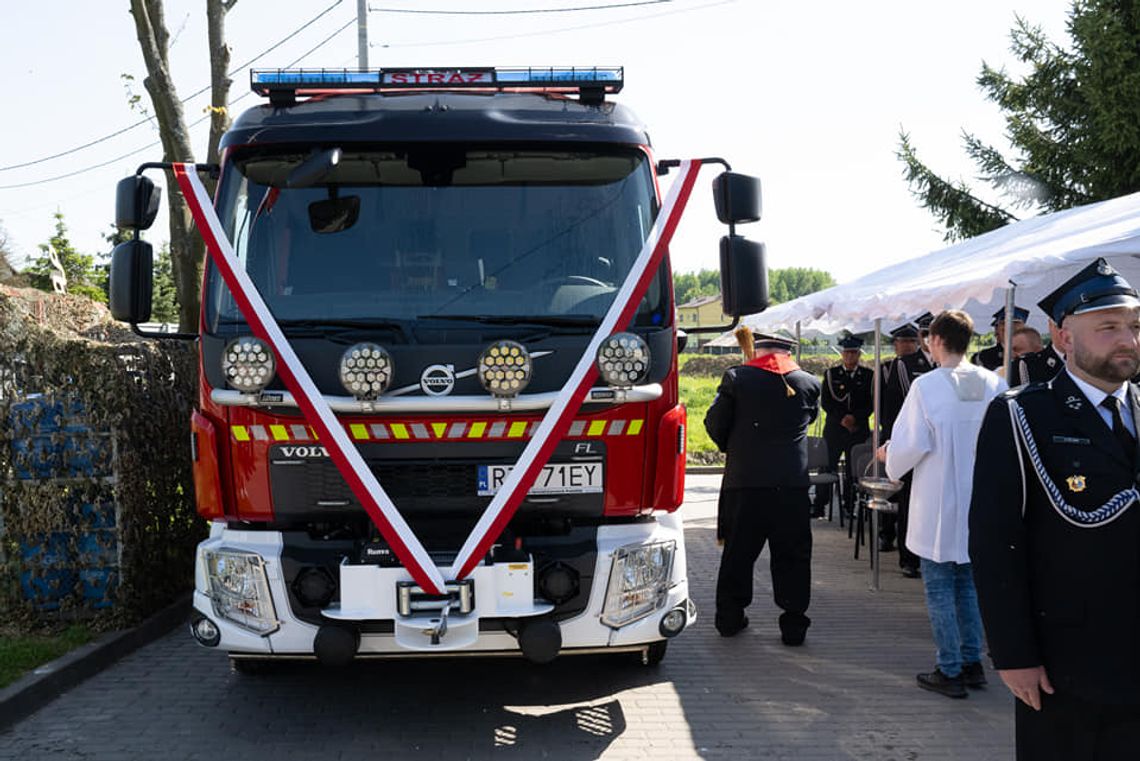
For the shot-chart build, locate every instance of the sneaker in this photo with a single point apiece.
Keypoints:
(912, 572)
(973, 674)
(732, 631)
(936, 681)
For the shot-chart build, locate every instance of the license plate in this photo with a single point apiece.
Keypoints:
(555, 478)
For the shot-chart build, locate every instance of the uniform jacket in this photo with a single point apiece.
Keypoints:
(847, 393)
(895, 380)
(1055, 541)
(1038, 366)
(990, 358)
(762, 429)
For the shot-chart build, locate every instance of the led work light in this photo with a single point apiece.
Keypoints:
(248, 364)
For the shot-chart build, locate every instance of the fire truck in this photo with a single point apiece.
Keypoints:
(438, 407)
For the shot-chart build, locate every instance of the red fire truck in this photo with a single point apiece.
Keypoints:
(438, 351)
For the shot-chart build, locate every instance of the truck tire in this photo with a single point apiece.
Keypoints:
(655, 654)
(251, 666)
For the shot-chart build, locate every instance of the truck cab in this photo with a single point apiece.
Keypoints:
(439, 249)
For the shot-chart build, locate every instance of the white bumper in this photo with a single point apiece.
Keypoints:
(501, 591)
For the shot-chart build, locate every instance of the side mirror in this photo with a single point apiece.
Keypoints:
(737, 198)
(136, 202)
(743, 276)
(132, 280)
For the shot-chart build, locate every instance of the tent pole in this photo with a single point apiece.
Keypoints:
(798, 348)
(873, 540)
(1007, 351)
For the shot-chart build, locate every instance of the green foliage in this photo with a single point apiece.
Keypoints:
(20, 653)
(783, 284)
(1073, 120)
(165, 304)
(84, 278)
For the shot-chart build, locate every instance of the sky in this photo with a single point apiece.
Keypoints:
(810, 97)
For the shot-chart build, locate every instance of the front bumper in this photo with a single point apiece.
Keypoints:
(503, 600)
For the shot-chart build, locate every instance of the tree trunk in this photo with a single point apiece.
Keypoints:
(187, 251)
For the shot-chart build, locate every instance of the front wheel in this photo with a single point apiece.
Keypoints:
(655, 653)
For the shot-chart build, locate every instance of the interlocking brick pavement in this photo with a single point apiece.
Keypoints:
(848, 693)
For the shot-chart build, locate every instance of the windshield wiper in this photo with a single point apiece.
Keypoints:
(335, 325)
(557, 321)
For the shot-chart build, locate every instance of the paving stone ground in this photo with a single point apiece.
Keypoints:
(849, 693)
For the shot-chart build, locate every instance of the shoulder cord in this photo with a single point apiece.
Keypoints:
(1106, 513)
(831, 389)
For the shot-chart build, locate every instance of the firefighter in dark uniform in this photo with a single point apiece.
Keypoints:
(760, 418)
(1055, 532)
(848, 400)
(891, 390)
(1040, 366)
(992, 358)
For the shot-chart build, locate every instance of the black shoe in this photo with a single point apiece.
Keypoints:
(733, 629)
(886, 546)
(817, 511)
(973, 674)
(950, 686)
(793, 629)
(912, 572)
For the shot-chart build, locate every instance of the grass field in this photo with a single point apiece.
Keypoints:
(20, 653)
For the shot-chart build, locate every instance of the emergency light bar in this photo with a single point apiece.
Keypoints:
(282, 86)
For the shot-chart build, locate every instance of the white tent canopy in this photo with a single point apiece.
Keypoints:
(1036, 255)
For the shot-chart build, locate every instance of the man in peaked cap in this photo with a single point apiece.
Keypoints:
(993, 357)
(848, 400)
(759, 418)
(1055, 530)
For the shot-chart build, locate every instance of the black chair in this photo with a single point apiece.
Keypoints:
(861, 460)
(818, 474)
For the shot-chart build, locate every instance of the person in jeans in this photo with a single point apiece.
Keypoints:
(935, 435)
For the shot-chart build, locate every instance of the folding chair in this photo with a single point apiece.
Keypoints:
(818, 474)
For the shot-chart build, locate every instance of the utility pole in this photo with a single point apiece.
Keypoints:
(362, 34)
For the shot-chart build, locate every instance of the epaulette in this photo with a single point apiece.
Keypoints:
(1028, 388)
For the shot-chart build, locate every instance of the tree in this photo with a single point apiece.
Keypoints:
(186, 248)
(7, 271)
(80, 269)
(783, 284)
(1073, 121)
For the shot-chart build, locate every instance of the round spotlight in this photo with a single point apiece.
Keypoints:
(504, 368)
(673, 622)
(248, 364)
(623, 360)
(205, 632)
(365, 370)
(314, 587)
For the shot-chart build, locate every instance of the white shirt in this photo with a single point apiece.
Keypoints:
(936, 435)
(1096, 397)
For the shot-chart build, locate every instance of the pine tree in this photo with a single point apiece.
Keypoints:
(83, 277)
(1073, 120)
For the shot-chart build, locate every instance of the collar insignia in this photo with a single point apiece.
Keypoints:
(1076, 483)
(1073, 403)
(1051, 361)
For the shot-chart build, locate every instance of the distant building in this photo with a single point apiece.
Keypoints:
(701, 312)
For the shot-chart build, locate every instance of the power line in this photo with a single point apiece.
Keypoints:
(516, 12)
(195, 123)
(188, 98)
(559, 30)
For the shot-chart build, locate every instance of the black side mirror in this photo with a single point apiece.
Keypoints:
(132, 280)
(136, 202)
(743, 276)
(737, 198)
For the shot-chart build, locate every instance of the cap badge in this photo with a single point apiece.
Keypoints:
(1104, 268)
(1076, 483)
(1073, 403)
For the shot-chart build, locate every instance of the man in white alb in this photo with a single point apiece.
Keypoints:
(935, 434)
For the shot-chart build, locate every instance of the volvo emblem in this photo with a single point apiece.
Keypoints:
(438, 380)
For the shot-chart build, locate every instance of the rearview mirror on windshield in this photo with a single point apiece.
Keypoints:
(743, 276)
(334, 215)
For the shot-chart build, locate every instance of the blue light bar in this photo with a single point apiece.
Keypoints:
(591, 82)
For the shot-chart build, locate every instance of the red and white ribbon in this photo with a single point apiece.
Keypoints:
(351, 465)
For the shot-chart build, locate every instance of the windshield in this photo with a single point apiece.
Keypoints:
(438, 233)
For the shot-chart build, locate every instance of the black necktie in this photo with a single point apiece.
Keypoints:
(1126, 439)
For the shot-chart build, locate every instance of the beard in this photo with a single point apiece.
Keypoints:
(1116, 367)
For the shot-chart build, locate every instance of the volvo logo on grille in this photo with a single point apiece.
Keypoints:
(438, 380)
(304, 451)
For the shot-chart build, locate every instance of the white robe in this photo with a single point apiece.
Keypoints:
(936, 435)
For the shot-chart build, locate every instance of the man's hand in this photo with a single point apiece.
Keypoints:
(1025, 683)
(848, 422)
(881, 452)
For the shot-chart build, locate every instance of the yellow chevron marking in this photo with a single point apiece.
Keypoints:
(597, 427)
(280, 432)
(313, 433)
(518, 428)
(359, 431)
(440, 429)
(476, 431)
(240, 433)
(634, 427)
(399, 430)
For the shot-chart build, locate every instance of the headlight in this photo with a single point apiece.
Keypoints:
(365, 370)
(239, 590)
(623, 360)
(248, 364)
(504, 368)
(639, 580)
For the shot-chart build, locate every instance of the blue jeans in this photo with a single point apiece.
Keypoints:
(952, 604)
